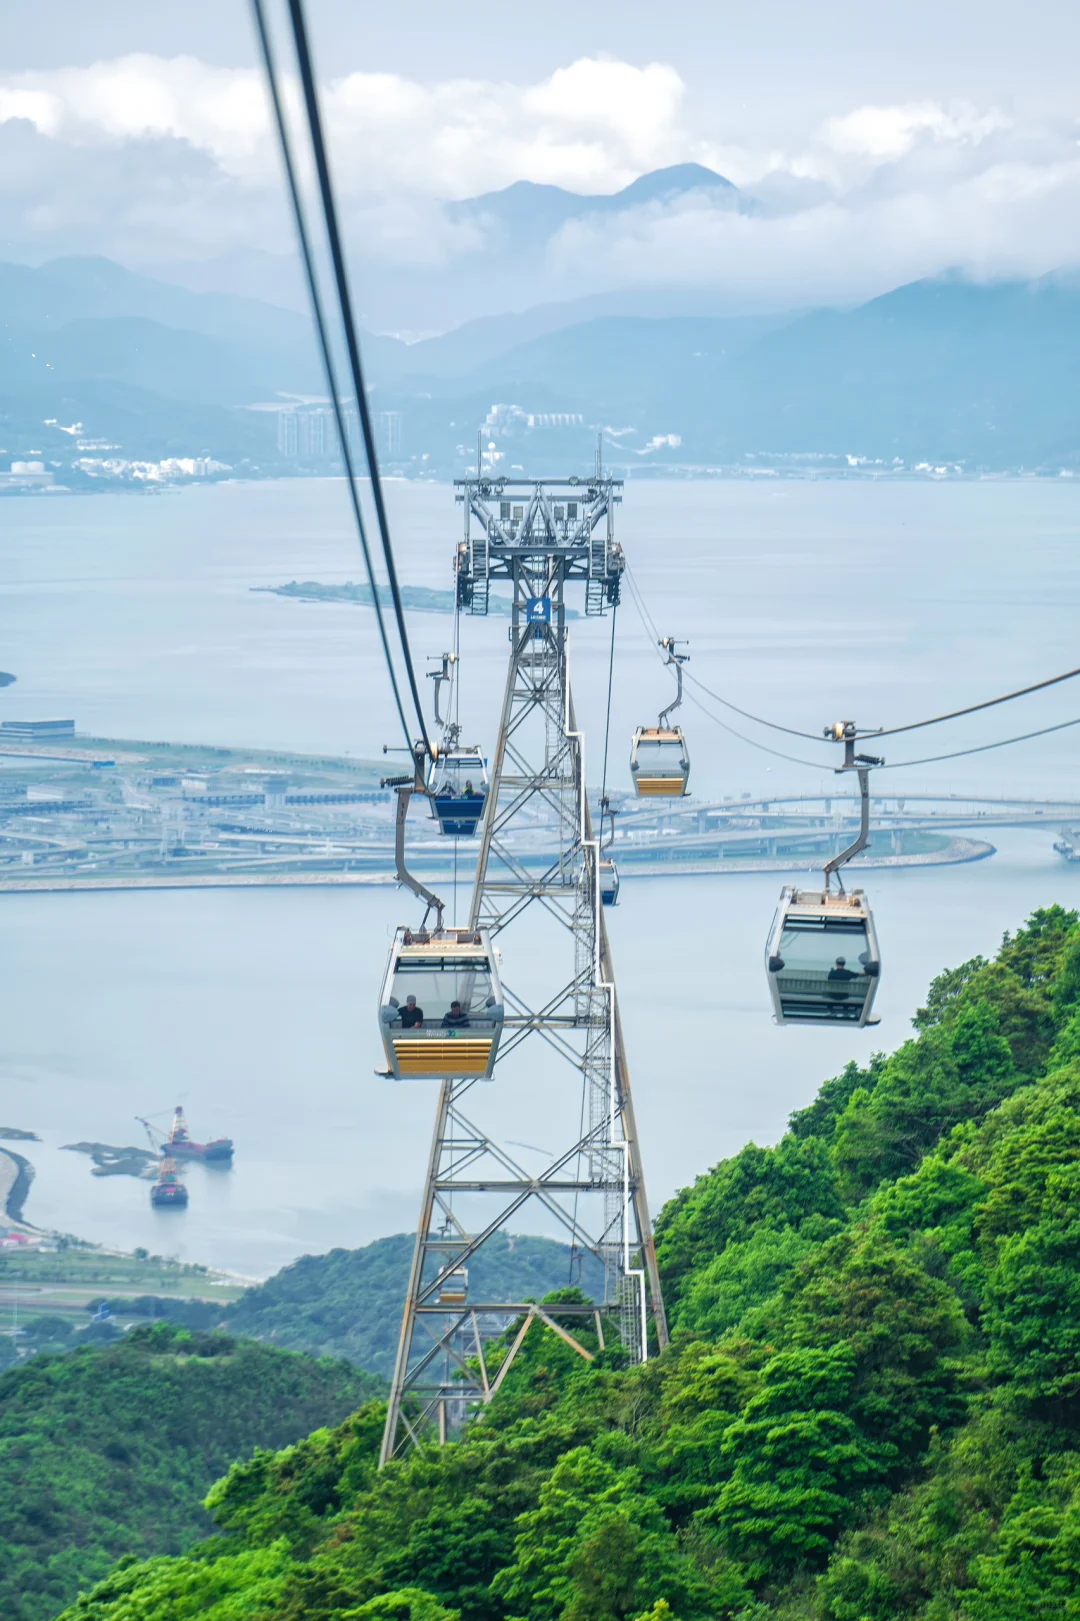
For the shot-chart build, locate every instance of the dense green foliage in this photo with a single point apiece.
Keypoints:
(109, 1451)
(348, 1303)
(870, 1409)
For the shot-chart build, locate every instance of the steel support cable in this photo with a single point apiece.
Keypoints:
(636, 592)
(884, 731)
(322, 332)
(650, 632)
(982, 748)
(989, 703)
(337, 255)
(897, 765)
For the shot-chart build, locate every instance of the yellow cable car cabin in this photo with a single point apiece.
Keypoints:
(441, 1011)
(659, 762)
(453, 1287)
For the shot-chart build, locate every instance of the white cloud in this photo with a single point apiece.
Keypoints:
(149, 158)
(595, 124)
(884, 133)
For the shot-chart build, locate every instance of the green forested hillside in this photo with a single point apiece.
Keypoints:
(348, 1303)
(109, 1452)
(870, 1410)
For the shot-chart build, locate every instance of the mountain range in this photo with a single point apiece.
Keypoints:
(944, 371)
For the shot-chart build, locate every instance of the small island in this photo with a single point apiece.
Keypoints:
(420, 598)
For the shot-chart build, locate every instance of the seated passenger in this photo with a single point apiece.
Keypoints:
(411, 1015)
(470, 791)
(456, 1019)
(838, 976)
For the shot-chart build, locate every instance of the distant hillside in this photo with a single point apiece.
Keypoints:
(525, 213)
(869, 1411)
(109, 1453)
(348, 1303)
(937, 372)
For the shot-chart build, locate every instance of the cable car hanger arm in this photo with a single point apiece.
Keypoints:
(405, 787)
(676, 660)
(844, 731)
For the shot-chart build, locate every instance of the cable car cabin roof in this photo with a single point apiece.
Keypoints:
(460, 758)
(829, 905)
(659, 734)
(453, 944)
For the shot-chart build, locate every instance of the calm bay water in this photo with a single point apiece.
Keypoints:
(803, 602)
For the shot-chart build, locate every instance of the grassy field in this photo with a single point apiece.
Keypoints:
(62, 1284)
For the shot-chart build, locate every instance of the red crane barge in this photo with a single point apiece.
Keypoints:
(180, 1145)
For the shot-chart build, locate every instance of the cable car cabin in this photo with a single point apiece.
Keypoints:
(453, 1287)
(660, 762)
(608, 874)
(459, 791)
(441, 1012)
(822, 958)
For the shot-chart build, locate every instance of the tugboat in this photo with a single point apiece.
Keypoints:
(168, 1192)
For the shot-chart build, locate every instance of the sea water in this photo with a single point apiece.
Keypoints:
(802, 602)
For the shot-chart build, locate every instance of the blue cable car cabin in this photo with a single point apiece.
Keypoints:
(441, 1010)
(459, 791)
(822, 958)
(609, 881)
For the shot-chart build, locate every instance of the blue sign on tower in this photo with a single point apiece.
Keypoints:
(538, 610)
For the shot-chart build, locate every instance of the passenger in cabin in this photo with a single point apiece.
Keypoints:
(456, 1019)
(838, 976)
(411, 1015)
(470, 791)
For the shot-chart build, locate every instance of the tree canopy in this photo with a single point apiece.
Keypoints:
(869, 1411)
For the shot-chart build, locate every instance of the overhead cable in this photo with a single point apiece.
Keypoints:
(650, 631)
(989, 703)
(341, 282)
(322, 331)
(1003, 743)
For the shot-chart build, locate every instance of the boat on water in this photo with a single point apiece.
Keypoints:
(168, 1192)
(180, 1144)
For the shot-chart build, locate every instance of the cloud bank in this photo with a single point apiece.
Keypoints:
(154, 160)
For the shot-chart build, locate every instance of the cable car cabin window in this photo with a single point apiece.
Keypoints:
(449, 993)
(826, 960)
(656, 758)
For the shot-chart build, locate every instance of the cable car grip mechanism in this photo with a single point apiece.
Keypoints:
(844, 731)
(405, 787)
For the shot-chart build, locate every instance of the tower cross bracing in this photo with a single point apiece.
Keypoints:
(562, 1048)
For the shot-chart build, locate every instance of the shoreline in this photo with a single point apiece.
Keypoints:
(16, 1177)
(957, 852)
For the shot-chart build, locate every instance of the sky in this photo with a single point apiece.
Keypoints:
(877, 143)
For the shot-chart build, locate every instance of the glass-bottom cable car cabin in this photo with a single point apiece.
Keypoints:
(608, 874)
(822, 958)
(441, 1011)
(659, 762)
(459, 790)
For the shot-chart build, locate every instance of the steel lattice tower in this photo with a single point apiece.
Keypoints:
(538, 865)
